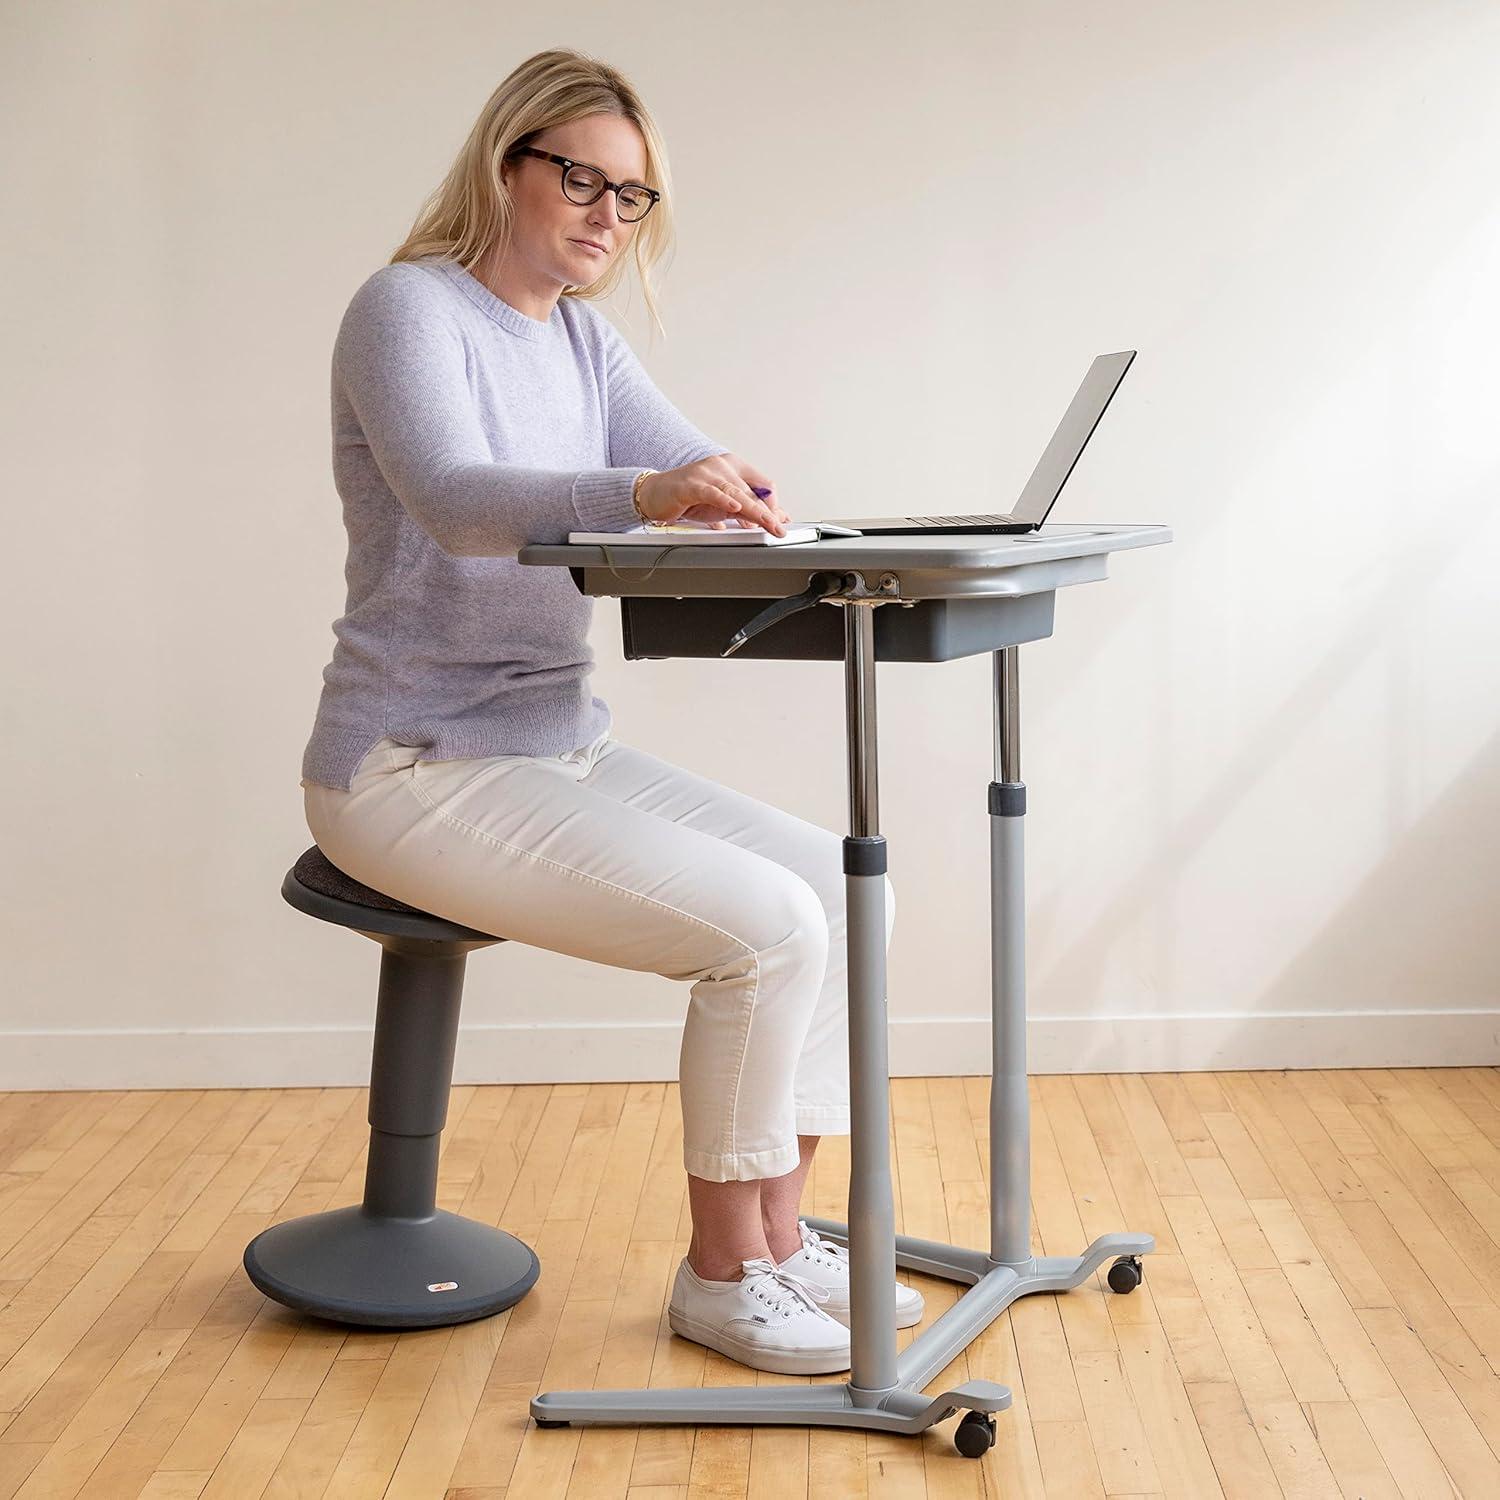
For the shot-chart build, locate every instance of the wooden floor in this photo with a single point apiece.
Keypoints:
(1320, 1317)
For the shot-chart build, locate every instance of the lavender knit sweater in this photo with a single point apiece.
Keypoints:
(463, 429)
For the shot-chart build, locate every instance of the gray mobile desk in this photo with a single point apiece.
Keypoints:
(904, 598)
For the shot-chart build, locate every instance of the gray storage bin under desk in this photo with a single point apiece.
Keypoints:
(929, 630)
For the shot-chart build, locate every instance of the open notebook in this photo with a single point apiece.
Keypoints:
(701, 533)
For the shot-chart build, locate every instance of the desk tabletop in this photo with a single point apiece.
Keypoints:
(928, 566)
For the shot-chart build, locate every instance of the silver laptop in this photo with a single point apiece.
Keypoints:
(1047, 479)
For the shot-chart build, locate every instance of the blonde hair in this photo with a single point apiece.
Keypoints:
(473, 211)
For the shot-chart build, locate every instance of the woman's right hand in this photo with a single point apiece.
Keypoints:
(717, 489)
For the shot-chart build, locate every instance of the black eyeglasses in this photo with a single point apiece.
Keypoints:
(585, 184)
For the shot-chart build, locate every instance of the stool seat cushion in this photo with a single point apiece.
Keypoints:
(317, 886)
(317, 873)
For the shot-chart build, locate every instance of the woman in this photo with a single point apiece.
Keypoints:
(458, 761)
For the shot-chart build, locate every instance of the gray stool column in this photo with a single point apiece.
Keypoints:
(396, 1260)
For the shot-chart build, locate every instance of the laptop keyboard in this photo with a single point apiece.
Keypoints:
(960, 520)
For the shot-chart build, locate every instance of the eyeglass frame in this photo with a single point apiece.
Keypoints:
(567, 162)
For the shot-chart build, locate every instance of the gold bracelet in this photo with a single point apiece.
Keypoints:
(635, 494)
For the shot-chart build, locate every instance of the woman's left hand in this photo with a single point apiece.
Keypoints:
(757, 481)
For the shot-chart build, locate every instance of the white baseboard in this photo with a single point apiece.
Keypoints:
(300, 1057)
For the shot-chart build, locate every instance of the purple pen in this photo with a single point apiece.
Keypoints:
(759, 492)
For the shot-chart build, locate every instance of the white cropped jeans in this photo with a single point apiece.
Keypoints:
(610, 854)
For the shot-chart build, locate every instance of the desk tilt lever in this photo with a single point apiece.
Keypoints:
(820, 586)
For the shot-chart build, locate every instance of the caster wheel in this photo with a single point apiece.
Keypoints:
(1125, 1274)
(975, 1435)
(543, 1422)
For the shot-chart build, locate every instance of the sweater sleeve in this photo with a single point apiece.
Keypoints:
(644, 427)
(402, 365)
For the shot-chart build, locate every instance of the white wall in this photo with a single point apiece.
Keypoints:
(1264, 762)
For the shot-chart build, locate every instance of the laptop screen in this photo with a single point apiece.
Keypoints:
(1073, 432)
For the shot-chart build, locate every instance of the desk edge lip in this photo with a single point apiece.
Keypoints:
(587, 554)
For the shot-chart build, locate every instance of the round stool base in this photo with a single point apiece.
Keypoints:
(351, 1267)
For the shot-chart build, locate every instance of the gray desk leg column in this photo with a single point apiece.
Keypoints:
(1015, 1272)
(1010, 1112)
(872, 1216)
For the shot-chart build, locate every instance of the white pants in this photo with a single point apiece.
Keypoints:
(610, 854)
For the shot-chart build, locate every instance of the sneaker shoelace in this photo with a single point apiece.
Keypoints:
(781, 1290)
(823, 1250)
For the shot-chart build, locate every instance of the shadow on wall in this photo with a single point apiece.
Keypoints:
(1434, 895)
(1434, 889)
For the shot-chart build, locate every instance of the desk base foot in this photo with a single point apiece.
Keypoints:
(992, 1288)
(898, 1410)
(903, 1409)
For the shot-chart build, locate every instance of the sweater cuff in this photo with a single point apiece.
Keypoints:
(602, 500)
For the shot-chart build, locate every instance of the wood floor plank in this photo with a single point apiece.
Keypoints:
(1268, 1159)
(208, 1432)
(1335, 1172)
(1260, 1378)
(1069, 1466)
(626, 1157)
(307, 1464)
(1356, 1362)
(722, 1455)
(1195, 1346)
(500, 1161)
(1332, 1111)
(1177, 1444)
(51, 1228)
(1448, 1424)
(1252, 1361)
(957, 1147)
(1229, 1433)
(1136, 1196)
(105, 1120)
(1351, 1452)
(258, 1447)
(59, 1398)
(35, 1129)
(1067, 1145)
(1119, 1440)
(369, 1459)
(1304, 1360)
(1182, 1118)
(84, 1440)
(1450, 1218)
(442, 1423)
(97, 1290)
(133, 1457)
(1153, 1135)
(1408, 1452)
(1219, 1190)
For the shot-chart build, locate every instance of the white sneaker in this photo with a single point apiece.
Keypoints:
(827, 1264)
(768, 1319)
